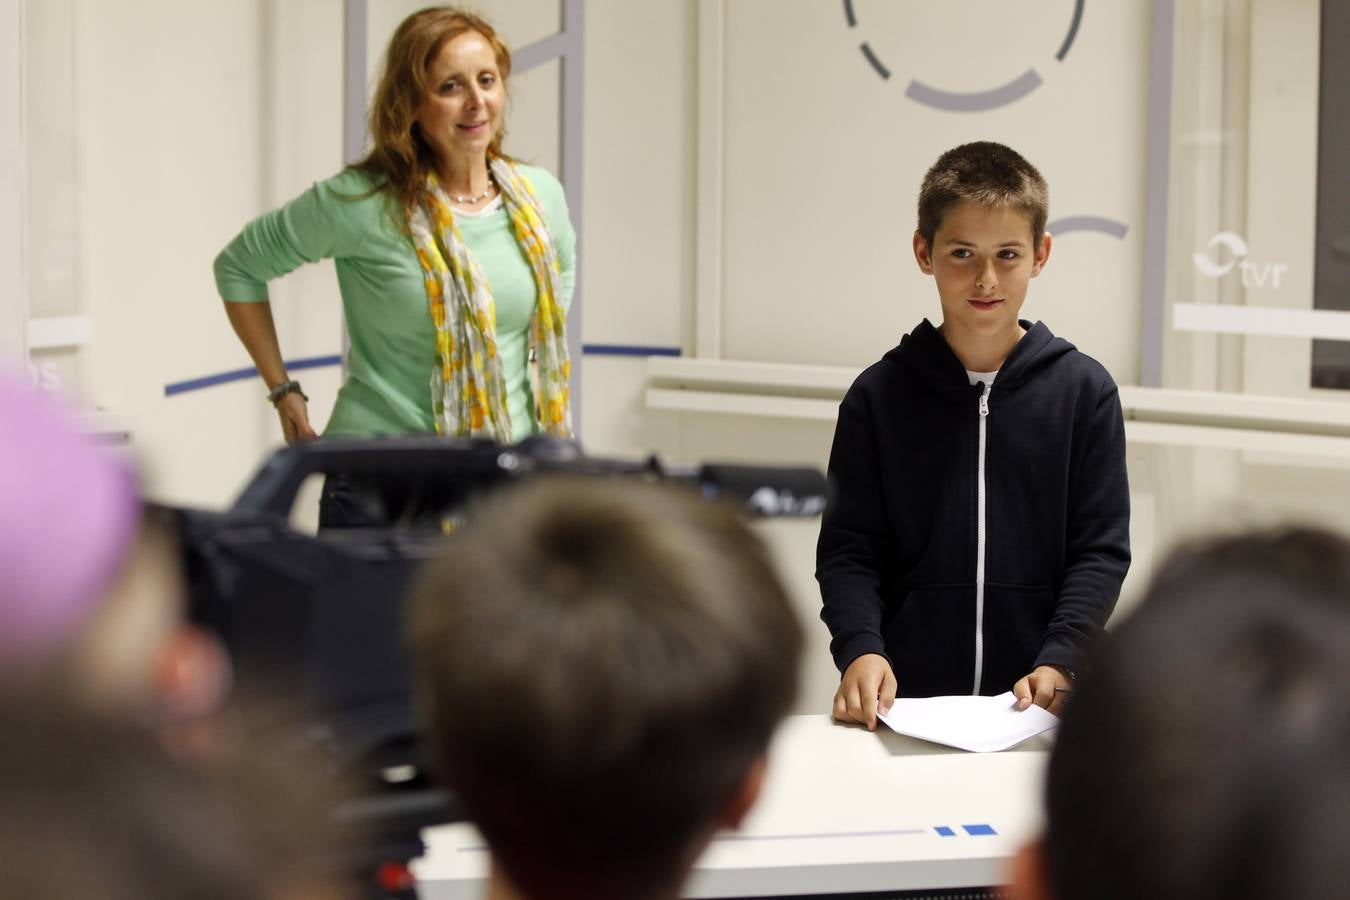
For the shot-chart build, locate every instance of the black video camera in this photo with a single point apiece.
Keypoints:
(319, 619)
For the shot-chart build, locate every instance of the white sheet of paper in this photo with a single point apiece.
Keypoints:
(979, 724)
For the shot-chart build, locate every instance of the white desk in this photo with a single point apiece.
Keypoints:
(844, 810)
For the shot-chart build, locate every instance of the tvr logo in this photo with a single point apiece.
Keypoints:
(1253, 274)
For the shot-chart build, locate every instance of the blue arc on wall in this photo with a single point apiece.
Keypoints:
(1099, 224)
(976, 101)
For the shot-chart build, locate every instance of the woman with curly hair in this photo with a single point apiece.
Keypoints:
(455, 262)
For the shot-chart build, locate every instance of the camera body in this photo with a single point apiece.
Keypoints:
(314, 624)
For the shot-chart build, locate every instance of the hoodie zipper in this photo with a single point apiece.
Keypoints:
(979, 543)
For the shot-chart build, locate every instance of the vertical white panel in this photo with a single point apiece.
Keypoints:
(640, 189)
(711, 159)
(534, 126)
(13, 292)
(172, 134)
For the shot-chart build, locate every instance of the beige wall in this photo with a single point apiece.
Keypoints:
(13, 299)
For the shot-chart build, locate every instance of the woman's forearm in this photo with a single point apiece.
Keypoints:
(253, 323)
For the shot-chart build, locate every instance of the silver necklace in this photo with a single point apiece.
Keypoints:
(487, 192)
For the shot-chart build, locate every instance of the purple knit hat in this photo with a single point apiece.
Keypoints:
(69, 511)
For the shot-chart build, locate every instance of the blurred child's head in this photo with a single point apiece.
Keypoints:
(91, 592)
(602, 665)
(985, 174)
(1287, 838)
(69, 519)
(97, 805)
(1234, 665)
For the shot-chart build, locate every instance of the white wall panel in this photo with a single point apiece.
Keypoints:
(824, 159)
(533, 124)
(183, 123)
(169, 166)
(640, 183)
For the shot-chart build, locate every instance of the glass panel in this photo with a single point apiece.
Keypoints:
(1331, 359)
(52, 214)
(1243, 198)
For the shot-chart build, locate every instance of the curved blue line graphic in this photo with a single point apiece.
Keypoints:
(876, 63)
(629, 350)
(978, 101)
(197, 384)
(1073, 31)
(1088, 223)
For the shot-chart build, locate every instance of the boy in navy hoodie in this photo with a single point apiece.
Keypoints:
(980, 530)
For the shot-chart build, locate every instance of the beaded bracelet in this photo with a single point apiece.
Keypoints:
(286, 387)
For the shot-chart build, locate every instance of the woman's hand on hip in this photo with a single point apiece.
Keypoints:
(294, 415)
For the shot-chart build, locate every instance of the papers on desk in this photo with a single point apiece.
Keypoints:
(979, 724)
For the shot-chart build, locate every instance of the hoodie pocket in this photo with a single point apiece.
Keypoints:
(1015, 619)
(930, 639)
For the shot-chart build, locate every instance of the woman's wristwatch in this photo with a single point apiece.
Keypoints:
(286, 387)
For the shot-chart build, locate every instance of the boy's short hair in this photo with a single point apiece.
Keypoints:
(1235, 664)
(601, 664)
(985, 173)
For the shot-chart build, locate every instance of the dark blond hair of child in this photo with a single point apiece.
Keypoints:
(602, 665)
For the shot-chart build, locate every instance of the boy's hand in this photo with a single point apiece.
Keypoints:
(1047, 686)
(868, 685)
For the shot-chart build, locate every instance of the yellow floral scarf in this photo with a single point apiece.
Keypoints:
(468, 387)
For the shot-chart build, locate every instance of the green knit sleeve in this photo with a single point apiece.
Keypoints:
(328, 220)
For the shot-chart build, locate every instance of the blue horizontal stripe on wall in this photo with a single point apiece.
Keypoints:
(292, 365)
(316, 362)
(628, 350)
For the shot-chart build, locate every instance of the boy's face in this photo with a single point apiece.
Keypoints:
(982, 258)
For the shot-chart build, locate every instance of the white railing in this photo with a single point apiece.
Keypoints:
(1203, 419)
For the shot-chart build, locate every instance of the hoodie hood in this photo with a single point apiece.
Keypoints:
(925, 350)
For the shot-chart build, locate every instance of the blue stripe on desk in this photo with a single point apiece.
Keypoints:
(729, 838)
(945, 831)
(736, 838)
(979, 829)
(628, 350)
(292, 365)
